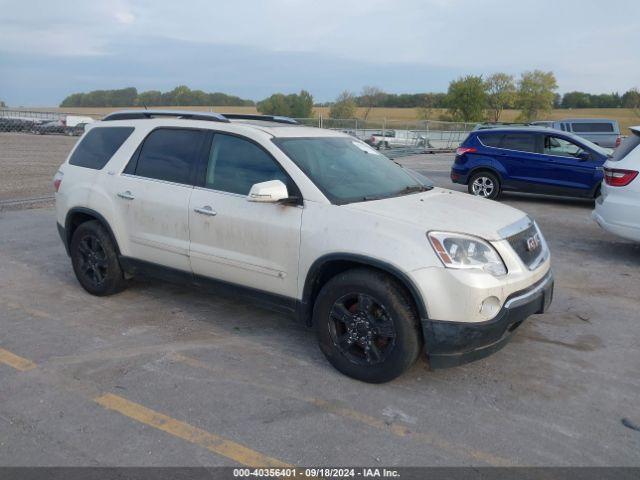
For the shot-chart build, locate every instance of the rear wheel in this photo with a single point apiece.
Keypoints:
(484, 184)
(95, 260)
(366, 326)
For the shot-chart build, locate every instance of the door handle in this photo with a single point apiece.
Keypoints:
(126, 195)
(206, 210)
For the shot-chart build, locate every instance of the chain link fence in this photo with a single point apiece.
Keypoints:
(399, 137)
(44, 123)
(394, 137)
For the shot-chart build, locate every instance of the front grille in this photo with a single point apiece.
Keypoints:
(525, 245)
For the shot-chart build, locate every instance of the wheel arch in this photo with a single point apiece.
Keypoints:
(330, 265)
(79, 215)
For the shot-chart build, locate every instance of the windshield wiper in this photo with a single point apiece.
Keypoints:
(413, 189)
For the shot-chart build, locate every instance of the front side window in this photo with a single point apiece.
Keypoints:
(560, 147)
(170, 154)
(522, 142)
(98, 146)
(236, 164)
(347, 170)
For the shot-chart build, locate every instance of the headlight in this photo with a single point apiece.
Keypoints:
(456, 250)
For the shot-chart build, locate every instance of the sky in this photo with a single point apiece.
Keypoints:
(253, 48)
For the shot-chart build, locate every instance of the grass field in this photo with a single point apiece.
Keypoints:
(625, 116)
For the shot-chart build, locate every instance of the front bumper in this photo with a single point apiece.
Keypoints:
(449, 344)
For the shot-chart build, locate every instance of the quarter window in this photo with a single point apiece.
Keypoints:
(521, 142)
(491, 139)
(170, 154)
(235, 165)
(98, 146)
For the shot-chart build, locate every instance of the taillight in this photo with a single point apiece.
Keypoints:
(619, 178)
(57, 180)
(463, 150)
(618, 141)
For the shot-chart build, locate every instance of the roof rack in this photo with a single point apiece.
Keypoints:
(266, 118)
(189, 115)
(186, 114)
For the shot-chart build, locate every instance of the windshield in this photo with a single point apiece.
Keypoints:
(347, 170)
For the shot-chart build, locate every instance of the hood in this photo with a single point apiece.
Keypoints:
(446, 210)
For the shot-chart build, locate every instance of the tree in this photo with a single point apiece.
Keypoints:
(301, 105)
(344, 106)
(293, 105)
(631, 99)
(149, 98)
(127, 97)
(369, 98)
(536, 92)
(501, 93)
(430, 101)
(576, 100)
(2, 104)
(466, 99)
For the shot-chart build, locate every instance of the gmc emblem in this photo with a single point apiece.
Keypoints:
(533, 243)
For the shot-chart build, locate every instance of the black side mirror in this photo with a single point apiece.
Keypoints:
(584, 156)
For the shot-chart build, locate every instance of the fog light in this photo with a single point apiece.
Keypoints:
(490, 307)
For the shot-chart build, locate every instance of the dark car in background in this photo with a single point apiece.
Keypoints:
(530, 159)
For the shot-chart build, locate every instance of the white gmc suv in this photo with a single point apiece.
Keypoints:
(309, 221)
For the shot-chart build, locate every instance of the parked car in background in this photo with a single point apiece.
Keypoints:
(10, 124)
(397, 138)
(47, 128)
(618, 206)
(70, 125)
(530, 159)
(243, 203)
(600, 131)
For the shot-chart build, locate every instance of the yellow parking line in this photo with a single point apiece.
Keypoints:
(15, 361)
(394, 428)
(212, 442)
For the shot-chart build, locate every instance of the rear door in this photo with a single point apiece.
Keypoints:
(520, 156)
(571, 173)
(241, 242)
(153, 196)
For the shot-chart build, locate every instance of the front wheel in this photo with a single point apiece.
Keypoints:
(366, 326)
(484, 184)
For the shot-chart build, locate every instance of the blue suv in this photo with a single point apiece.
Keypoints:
(529, 159)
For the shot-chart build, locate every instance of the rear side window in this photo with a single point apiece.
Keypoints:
(235, 165)
(98, 146)
(170, 155)
(522, 142)
(600, 127)
(628, 145)
(491, 139)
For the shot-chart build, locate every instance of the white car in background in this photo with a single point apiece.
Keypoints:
(618, 206)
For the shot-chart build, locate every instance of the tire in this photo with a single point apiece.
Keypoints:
(95, 260)
(484, 184)
(363, 308)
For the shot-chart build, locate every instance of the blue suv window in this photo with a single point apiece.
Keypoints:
(491, 139)
(522, 142)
